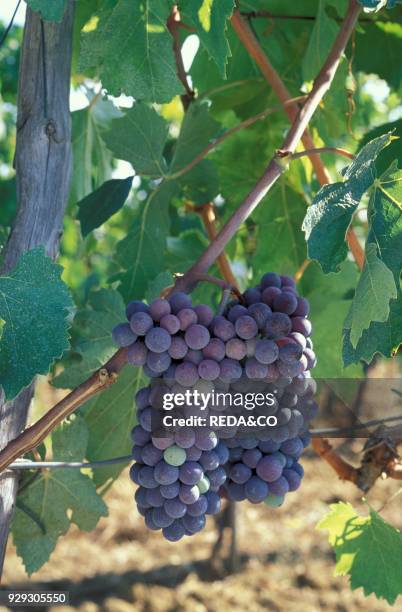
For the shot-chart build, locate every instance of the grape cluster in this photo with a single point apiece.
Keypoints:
(179, 475)
(262, 338)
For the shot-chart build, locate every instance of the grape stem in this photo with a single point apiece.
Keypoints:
(309, 152)
(32, 436)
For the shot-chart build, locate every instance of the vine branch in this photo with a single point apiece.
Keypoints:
(35, 434)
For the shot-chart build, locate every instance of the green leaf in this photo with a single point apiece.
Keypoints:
(210, 19)
(373, 36)
(374, 291)
(385, 233)
(100, 205)
(133, 50)
(52, 10)
(321, 40)
(44, 507)
(198, 130)
(184, 250)
(367, 549)
(34, 304)
(201, 183)
(156, 286)
(2, 323)
(110, 416)
(330, 214)
(142, 252)
(139, 137)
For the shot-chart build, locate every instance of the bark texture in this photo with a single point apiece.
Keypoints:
(43, 167)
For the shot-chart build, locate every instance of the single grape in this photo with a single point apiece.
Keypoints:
(199, 507)
(236, 349)
(285, 302)
(209, 460)
(150, 455)
(136, 453)
(290, 353)
(270, 279)
(154, 497)
(269, 294)
(246, 327)
(140, 436)
(230, 370)
(163, 441)
(274, 501)
(217, 478)
(303, 308)
(161, 518)
(178, 301)
(256, 489)
(301, 325)
(193, 453)
(174, 532)
(269, 468)
(204, 314)
(206, 440)
(214, 350)
(140, 323)
(146, 477)
(223, 452)
(197, 337)
(135, 306)
(165, 474)
(135, 473)
(140, 497)
(170, 323)
(158, 340)
(187, 317)
(266, 351)
(240, 473)
(279, 487)
(252, 296)
(203, 485)
(213, 501)
(235, 491)
(174, 455)
(189, 494)
(311, 358)
(290, 369)
(159, 308)
(123, 335)
(255, 369)
(175, 508)
(194, 524)
(223, 329)
(137, 353)
(170, 491)
(299, 338)
(260, 313)
(158, 362)
(194, 356)
(184, 438)
(293, 447)
(278, 325)
(208, 369)
(235, 312)
(190, 473)
(178, 348)
(149, 521)
(293, 478)
(288, 281)
(186, 374)
(251, 457)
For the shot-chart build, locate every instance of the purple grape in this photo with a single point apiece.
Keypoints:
(301, 325)
(162, 442)
(288, 281)
(199, 507)
(269, 294)
(140, 497)
(214, 502)
(279, 487)
(140, 323)
(240, 473)
(266, 351)
(161, 518)
(184, 438)
(186, 374)
(136, 453)
(311, 358)
(303, 307)
(187, 317)
(190, 473)
(237, 311)
(140, 436)
(223, 328)
(278, 325)
(223, 452)
(289, 353)
(217, 478)
(271, 280)
(204, 314)
(189, 494)
(236, 349)
(145, 418)
(208, 369)
(159, 309)
(178, 301)
(135, 306)
(293, 447)
(299, 338)
(194, 356)
(230, 370)
(170, 491)
(209, 460)
(165, 474)
(175, 531)
(142, 397)
(137, 353)
(154, 498)
(175, 508)
(260, 313)
(248, 442)
(135, 473)
(150, 455)
(256, 489)
(158, 340)
(178, 348)
(285, 302)
(158, 362)
(194, 524)
(215, 350)
(269, 468)
(149, 521)
(251, 457)
(123, 335)
(298, 468)
(252, 296)
(170, 323)
(246, 327)
(236, 492)
(255, 369)
(146, 477)
(206, 440)
(290, 369)
(235, 454)
(193, 453)
(197, 337)
(293, 478)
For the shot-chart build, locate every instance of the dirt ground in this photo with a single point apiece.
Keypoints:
(286, 565)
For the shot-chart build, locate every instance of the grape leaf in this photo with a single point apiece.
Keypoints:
(375, 289)
(50, 11)
(156, 286)
(110, 416)
(384, 35)
(330, 214)
(139, 137)
(321, 40)
(367, 549)
(34, 304)
(133, 50)
(210, 18)
(142, 252)
(101, 204)
(43, 508)
(184, 250)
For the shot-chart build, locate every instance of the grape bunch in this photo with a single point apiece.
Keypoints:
(261, 338)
